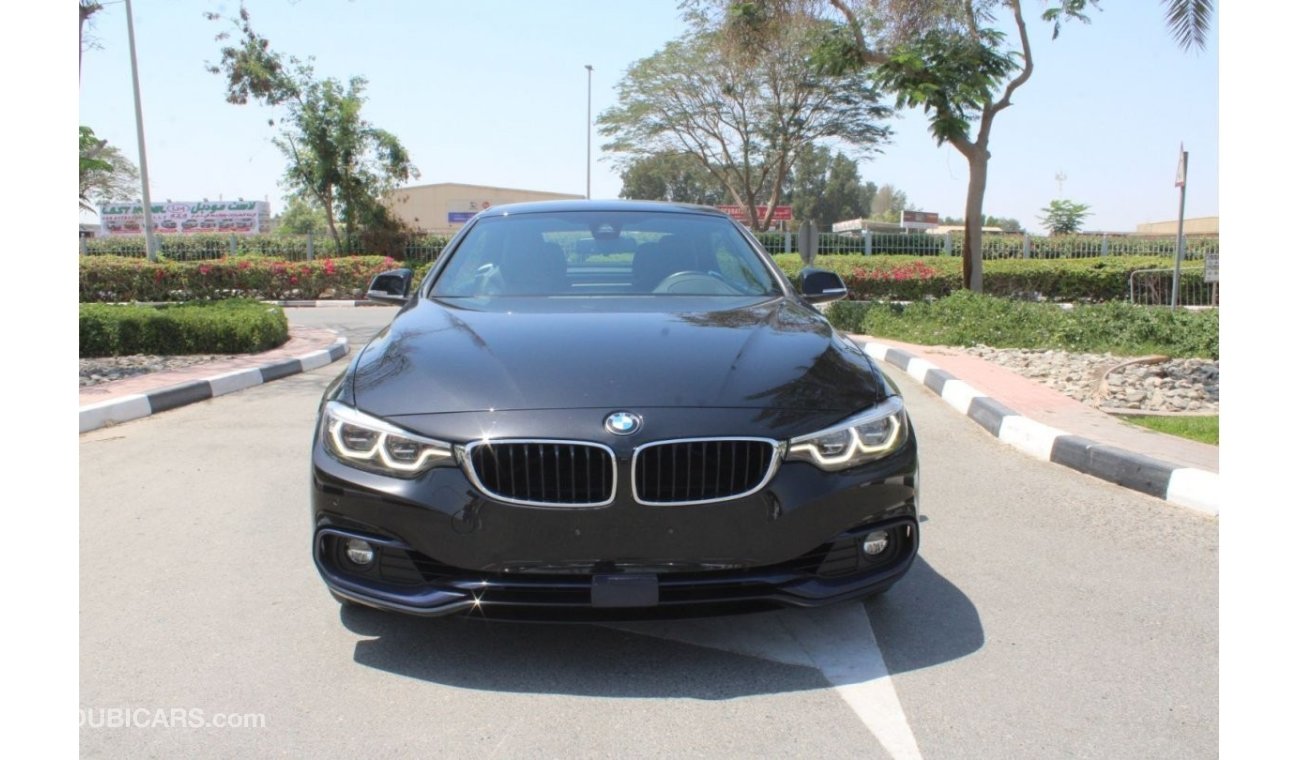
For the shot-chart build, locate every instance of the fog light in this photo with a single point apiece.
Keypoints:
(360, 552)
(875, 543)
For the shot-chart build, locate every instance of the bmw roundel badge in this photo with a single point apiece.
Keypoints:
(622, 423)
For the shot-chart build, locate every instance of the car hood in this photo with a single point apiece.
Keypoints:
(446, 356)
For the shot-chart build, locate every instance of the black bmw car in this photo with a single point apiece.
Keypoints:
(546, 431)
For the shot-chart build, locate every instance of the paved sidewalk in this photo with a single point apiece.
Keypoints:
(142, 395)
(1050, 425)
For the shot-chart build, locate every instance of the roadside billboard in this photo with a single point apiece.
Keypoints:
(918, 220)
(223, 217)
(741, 214)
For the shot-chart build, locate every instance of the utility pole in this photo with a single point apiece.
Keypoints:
(150, 242)
(589, 131)
(1180, 181)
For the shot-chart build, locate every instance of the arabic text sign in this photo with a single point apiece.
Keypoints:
(232, 217)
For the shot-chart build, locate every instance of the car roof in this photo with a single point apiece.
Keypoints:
(548, 207)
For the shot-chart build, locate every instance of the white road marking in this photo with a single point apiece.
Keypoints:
(1032, 437)
(235, 381)
(122, 409)
(1194, 489)
(838, 641)
(876, 351)
(958, 395)
(917, 369)
(315, 359)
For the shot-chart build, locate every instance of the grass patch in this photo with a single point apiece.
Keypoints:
(233, 326)
(967, 319)
(1203, 429)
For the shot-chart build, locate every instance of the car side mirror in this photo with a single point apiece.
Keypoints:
(391, 286)
(820, 286)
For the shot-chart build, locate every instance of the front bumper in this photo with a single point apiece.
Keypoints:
(442, 547)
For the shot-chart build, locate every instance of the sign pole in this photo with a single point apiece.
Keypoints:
(150, 242)
(1181, 182)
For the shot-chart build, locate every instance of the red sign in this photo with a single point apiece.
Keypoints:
(740, 214)
(920, 217)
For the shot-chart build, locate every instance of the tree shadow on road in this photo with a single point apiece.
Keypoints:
(925, 620)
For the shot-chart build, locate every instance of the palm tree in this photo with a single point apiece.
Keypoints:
(1189, 21)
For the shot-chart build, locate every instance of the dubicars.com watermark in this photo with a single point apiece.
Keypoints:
(165, 717)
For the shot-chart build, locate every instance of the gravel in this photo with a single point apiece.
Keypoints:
(109, 368)
(1117, 382)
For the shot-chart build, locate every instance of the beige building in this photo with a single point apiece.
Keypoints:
(448, 205)
(1200, 225)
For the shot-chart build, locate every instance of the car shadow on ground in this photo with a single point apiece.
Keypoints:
(924, 620)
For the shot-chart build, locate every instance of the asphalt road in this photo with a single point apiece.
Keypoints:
(1049, 615)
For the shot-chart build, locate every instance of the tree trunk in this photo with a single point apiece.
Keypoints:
(328, 204)
(972, 254)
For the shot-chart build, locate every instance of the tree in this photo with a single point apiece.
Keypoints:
(1062, 217)
(671, 177)
(104, 173)
(826, 188)
(336, 159)
(843, 197)
(959, 71)
(1189, 21)
(888, 204)
(742, 112)
(867, 197)
(88, 8)
(1006, 224)
(300, 217)
(806, 185)
(944, 56)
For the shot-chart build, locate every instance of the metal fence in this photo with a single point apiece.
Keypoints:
(1155, 287)
(995, 246)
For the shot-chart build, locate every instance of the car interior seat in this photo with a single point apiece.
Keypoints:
(671, 254)
(536, 269)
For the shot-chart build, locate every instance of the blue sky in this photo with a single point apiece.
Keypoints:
(494, 92)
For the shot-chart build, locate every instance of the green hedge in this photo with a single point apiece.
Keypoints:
(119, 279)
(898, 278)
(204, 246)
(910, 278)
(966, 319)
(233, 326)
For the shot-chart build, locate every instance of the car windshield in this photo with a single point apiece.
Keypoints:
(587, 253)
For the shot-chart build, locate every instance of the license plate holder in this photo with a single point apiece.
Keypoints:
(625, 590)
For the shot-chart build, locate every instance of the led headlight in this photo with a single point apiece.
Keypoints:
(875, 433)
(369, 443)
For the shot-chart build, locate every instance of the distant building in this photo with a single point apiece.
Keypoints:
(448, 205)
(861, 225)
(1200, 225)
(944, 229)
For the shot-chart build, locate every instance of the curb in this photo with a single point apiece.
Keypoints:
(1184, 486)
(325, 304)
(95, 416)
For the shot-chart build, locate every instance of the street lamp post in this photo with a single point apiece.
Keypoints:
(150, 242)
(589, 131)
